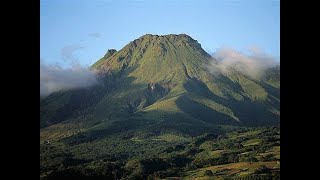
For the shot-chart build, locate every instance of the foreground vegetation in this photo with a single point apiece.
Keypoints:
(246, 153)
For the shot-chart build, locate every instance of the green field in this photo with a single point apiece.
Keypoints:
(233, 170)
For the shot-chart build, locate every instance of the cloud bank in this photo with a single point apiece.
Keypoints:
(54, 78)
(252, 64)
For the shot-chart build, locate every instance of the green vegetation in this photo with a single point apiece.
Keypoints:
(153, 75)
(158, 111)
(201, 157)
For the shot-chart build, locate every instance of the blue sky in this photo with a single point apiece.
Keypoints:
(83, 30)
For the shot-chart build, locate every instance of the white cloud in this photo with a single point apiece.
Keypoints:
(67, 53)
(95, 35)
(252, 65)
(54, 78)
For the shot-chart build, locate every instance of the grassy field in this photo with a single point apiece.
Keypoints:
(225, 170)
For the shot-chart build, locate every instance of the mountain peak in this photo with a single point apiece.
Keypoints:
(109, 53)
(164, 41)
(154, 51)
(169, 37)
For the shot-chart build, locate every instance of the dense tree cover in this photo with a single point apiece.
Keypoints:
(150, 159)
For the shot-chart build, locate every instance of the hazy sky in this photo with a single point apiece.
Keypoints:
(83, 30)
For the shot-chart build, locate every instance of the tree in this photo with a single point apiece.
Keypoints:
(233, 158)
(268, 157)
(261, 170)
(251, 158)
(208, 173)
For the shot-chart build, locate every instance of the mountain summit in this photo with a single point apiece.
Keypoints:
(150, 53)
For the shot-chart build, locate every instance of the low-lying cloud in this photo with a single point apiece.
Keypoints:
(252, 64)
(67, 53)
(95, 35)
(55, 78)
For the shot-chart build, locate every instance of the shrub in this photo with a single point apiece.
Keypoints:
(252, 159)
